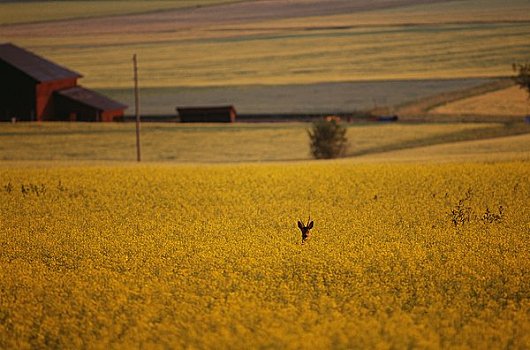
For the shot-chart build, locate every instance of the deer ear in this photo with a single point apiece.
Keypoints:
(300, 225)
(310, 226)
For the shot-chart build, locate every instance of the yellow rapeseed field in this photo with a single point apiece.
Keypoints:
(209, 256)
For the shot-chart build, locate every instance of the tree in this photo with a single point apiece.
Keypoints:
(327, 139)
(523, 76)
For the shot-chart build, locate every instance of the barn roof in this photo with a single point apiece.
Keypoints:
(91, 98)
(34, 66)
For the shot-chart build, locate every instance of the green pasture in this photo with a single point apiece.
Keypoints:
(215, 143)
(324, 98)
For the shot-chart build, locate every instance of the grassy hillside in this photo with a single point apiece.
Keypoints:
(402, 256)
(295, 57)
(16, 12)
(511, 101)
(509, 148)
(220, 143)
(221, 46)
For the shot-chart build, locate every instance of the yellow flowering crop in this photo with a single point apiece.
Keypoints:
(209, 256)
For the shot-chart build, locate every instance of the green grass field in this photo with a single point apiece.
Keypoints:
(222, 143)
(324, 98)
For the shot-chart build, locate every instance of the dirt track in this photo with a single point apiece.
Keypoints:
(235, 13)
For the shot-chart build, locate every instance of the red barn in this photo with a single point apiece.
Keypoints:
(33, 88)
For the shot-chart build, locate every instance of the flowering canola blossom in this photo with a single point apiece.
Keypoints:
(210, 256)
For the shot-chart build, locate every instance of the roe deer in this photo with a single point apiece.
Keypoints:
(306, 234)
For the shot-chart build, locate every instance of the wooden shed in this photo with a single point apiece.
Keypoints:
(217, 114)
(35, 89)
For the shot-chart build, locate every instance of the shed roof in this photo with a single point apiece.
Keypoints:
(34, 66)
(91, 98)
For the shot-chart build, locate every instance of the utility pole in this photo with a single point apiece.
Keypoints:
(137, 109)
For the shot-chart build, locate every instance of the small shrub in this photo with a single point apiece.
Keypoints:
(522, 79)
(8, 188)
(490, 217)
(36, 189)
(327, 139)
(461, 213)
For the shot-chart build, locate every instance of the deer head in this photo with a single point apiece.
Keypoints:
(306, 234)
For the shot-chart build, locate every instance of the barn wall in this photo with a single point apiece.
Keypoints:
(45, 97)
(67, 109)
(70, 110)
(17, 94)
(110, 116)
